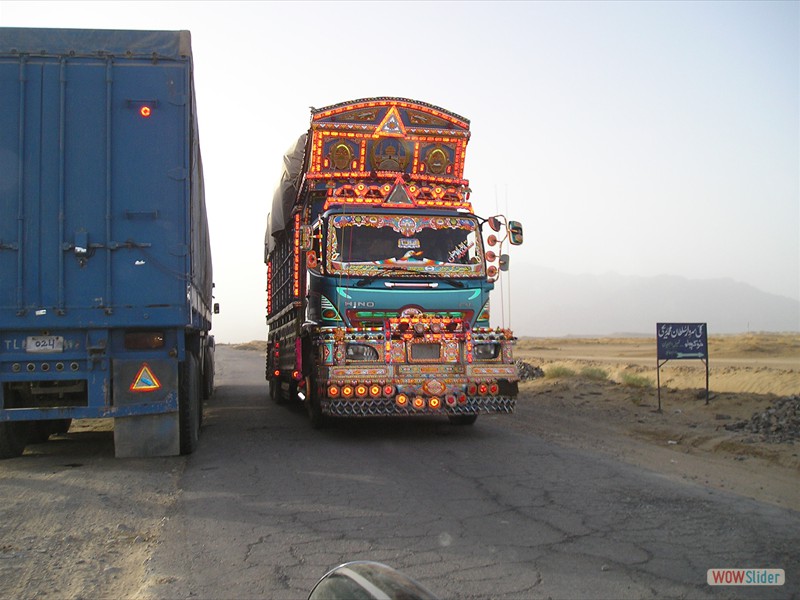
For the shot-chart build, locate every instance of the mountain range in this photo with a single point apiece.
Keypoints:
(548, 303)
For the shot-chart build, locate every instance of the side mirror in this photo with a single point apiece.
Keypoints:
(368, 581)
(515, 233)
(494, 223)
(216, 308)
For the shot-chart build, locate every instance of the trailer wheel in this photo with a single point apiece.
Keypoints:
(40, 431)
(60, 426)
(313, 407)
(189, 406)
(463, 419)
(13, 438)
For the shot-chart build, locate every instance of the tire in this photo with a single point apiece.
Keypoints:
(208, 377)
(463, 419)
(189, 404)
(40, 431)
(60, 426)
(312, 406)
(13, 438)
(275, 390)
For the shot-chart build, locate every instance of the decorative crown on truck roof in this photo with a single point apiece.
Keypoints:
(387, 151)
(383, 137)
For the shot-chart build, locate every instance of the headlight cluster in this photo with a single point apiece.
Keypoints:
(486, 351)
(361, 352)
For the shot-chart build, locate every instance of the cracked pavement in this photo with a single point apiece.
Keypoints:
(267, 505)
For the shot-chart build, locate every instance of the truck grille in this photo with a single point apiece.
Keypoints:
(425, 351)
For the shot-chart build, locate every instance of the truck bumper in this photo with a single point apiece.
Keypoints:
(416, 390)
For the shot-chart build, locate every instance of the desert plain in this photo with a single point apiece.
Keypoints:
(603, 394)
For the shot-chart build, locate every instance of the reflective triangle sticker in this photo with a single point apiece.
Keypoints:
(145, 381)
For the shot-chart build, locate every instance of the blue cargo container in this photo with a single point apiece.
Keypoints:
(105, 262)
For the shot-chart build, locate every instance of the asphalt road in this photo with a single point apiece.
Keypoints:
(267, 505)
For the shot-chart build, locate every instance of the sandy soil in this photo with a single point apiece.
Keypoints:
(602, 394)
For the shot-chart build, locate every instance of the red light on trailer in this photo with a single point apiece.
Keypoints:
(145, 111)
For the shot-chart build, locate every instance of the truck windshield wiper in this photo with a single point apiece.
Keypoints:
(370, 278)
(367, 279)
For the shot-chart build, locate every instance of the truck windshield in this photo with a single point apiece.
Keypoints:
(372, 244)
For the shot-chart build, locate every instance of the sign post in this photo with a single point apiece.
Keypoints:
(680, 341)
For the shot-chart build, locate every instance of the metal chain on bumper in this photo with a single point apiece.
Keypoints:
(387, 407)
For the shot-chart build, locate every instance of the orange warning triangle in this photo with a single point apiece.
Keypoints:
(145, 380)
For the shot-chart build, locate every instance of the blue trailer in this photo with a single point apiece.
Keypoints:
(105, 261)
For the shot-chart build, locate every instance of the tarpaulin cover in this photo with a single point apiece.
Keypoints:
(286, 192)
(93, 42)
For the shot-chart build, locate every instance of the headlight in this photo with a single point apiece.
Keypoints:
(361, 352)
(486, 351)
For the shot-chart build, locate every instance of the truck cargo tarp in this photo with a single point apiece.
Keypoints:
(286, 191)
(85, 42)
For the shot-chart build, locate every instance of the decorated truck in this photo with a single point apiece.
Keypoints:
(378, 274)
(105, 262)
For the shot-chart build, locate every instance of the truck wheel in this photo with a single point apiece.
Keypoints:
(60, 426)
(13, 438)
(208, 378)
(312, 406)
(40, 431)
(189, 405)
(463, 419)
(275, 390)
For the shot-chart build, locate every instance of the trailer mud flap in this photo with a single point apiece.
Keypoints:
(152, 387)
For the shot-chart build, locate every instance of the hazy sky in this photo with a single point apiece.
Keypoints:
(640, 138)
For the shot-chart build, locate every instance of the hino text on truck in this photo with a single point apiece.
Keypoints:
(105, 263)
(378, 277)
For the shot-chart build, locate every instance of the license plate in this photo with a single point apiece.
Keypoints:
(44, 343)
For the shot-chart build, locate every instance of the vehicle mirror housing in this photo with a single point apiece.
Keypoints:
(494, 223)
(370, 581)
(515, 233)
(504, 259)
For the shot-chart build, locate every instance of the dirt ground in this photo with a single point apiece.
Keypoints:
(602, 394)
